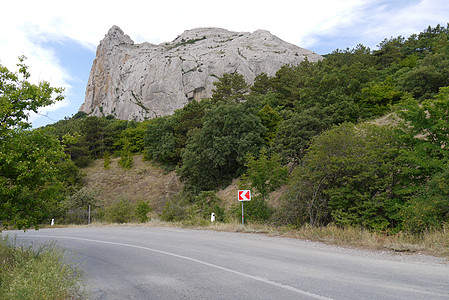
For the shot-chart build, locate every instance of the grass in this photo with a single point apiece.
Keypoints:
(434, 242)
(27, 273)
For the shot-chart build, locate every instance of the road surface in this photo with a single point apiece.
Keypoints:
(172, 263)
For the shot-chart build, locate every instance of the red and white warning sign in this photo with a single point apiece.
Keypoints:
(244, 195)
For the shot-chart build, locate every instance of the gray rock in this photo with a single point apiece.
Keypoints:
(140, 81)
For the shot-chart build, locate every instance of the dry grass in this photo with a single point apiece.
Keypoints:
(434, 243)
(148, 182)
(143, 182)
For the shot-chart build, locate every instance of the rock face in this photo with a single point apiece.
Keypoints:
(140, 81)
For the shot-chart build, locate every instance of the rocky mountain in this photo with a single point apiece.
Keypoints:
(139, 81)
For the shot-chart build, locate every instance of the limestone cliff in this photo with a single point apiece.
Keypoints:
(139, 81)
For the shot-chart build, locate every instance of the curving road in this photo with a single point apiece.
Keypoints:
(170, 263)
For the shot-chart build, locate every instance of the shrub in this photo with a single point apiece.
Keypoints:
(177, 209)
(207, 203)
(76, 207)
(257, 210)
(42, 274)
(107, 160)
(121, 211)
(142, 210)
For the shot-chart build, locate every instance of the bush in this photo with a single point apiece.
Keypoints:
(107, 160)
(121, 211)
(142, 210)
(42, 274)
(257, 210)
(207, 203)
(177, 209)
(76, 207)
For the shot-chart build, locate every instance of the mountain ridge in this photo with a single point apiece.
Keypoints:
(141, 81)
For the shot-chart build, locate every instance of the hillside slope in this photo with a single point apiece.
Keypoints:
(144, 181)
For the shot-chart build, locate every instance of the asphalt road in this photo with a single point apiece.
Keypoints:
(170, 263)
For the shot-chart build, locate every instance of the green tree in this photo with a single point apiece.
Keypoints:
(425, 134)
(215, 154)
(107, 160)
(294, 134)
(29, 187)
(18, 97)
(428, 209)
(120, 211)
(264, 174)
(270, 119)
(424, 160)
(126, 158)
(262, 84)
(349, 175)
(230, 88)
(160, 141)
(142, 210)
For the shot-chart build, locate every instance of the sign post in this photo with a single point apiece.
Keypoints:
(244, 195)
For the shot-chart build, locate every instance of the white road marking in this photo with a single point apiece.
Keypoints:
(257, 278)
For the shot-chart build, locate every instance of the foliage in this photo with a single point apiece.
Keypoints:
(230, 88)
(167, 136)
(29, 186)
(160, 141)
(18, 97)
(120, 211)
(430, 209)
(176, 209)
(126, 158)
(27, 273)
(270, 119)
(425, 131)
(134, 134)
(29, 189)
(216, 153)
(347, 177)
(107, 160)
(207, 202)
(76, 207)
(264, 174)
(257, 210)
(295, 132)
(142, 210)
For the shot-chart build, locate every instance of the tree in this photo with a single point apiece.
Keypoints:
(126, 158)
(264, 174)
(230, 88)
(18, 97)
(425, 131)
(262, 84)
(270, 119)
(29, 187)
(160, 141)
(349, 176)
(142, 210)
(215, 154)
(294, 134)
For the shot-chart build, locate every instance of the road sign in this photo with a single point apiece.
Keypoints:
(244, 195)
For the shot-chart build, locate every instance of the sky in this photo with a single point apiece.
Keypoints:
(59, 38)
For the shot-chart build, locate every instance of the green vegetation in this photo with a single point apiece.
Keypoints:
(320, 121)
(27, 273)
(32, 163)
